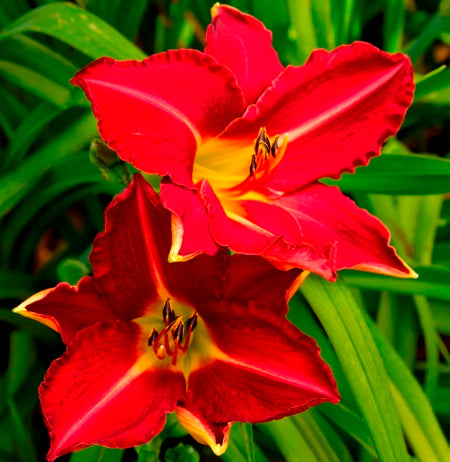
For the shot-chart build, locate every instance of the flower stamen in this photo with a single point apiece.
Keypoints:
(267, 154)
(191, 324)
(170, 340)
(262, 144)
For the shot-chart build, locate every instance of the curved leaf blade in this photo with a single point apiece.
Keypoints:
(76, 27)
(347, 329)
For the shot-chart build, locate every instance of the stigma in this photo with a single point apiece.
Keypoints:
(175, 337)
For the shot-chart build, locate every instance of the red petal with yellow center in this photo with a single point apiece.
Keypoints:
(265, 229)
(271, 369)
(101, 391)
(130, 258)
(361, 241)
(337, 110)
(244, 45)
(67, 309)
(154, 113)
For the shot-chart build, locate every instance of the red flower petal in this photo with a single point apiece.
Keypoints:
(130, 258)
(156, 112)
(272, 369)
(244, 45)
(190, 228)
(101, 392)
(337, 111)
(67, 309)
(253, 278)
(267, 230)
(327, 217)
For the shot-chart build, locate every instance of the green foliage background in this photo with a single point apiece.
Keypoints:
(387, 340)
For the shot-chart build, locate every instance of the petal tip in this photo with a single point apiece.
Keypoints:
(213, 435)
(215, 10)
(411, 274)
(48, 321)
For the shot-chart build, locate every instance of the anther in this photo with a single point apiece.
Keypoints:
(262, 144)
(191, 323)
(260, 139)
(274, 147)
(168, 313)
(253, 165)
(153, 337)
(178, 333)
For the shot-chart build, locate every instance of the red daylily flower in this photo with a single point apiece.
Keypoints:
(243, 141)
(207, 338)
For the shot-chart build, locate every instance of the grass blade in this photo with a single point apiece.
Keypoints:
(341, 317)
(414, 408)
(76, 27)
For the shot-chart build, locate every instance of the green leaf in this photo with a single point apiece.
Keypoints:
(32, 54)
(76, 27)
(15, 184)
(441, 316)
(321, 437)
(289, 440)
(150, 451)
(433, 282)
(397, 321)
(425, 228)
(97, 454)
(398, 174)
(433, 87)
(14, 284)
(182, 453)
(124, 16)
(240, 448)
(350, 423)
(438, 24)
(21, 358)
(247, 432)
(393, 25)
(21, 436)
(322, 13)
(418, 419)
(35, 83)
(350, 21)
(442, 406)
(36, 330)
(303, 27)
(431, 345)
(11, 111)
(11, 10)
(344, 322)
(27, 132)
